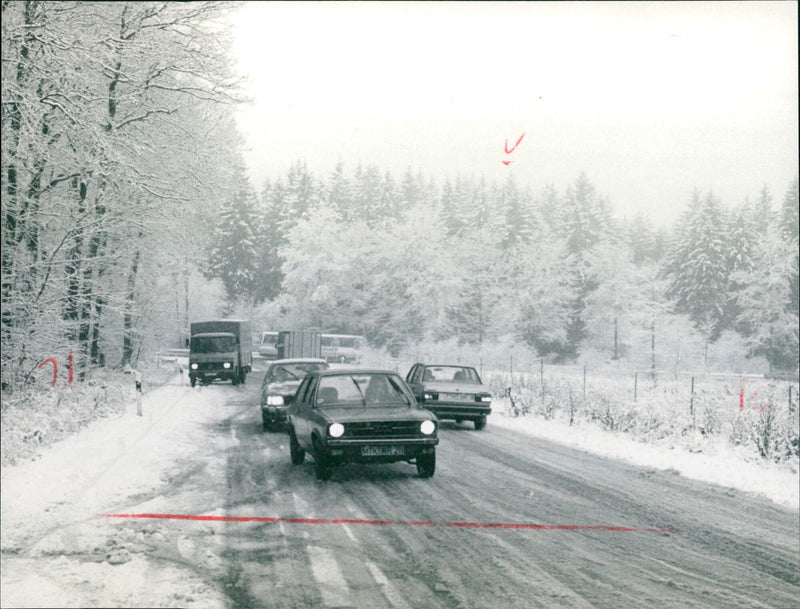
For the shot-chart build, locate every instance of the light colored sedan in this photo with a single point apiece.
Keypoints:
(451, 391)
(280, 384)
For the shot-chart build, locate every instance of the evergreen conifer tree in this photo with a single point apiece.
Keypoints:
(234, 253)
(698, 266)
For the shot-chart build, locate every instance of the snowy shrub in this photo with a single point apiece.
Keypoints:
(751, 413)
(40, 415)
(775, 434)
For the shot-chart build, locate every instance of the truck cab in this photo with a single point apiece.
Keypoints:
(219, 351)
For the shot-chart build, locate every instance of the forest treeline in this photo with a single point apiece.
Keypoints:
(127, 211)
(415, 259)
(118, 140)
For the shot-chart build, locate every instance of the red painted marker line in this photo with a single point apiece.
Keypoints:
(417, 523)
(514, 147)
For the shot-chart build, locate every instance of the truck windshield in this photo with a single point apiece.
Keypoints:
(213, 344)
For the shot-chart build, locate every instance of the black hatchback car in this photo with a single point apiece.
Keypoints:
(363, 416)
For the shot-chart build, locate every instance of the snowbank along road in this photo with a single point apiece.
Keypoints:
(192, 505)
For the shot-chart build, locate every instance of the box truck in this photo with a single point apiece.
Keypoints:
(298, 344)
(220, 349)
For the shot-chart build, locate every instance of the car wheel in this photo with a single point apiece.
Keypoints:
(192, 381)
(426, 464)
(266, 423)
(235, 378)
(322, 466)
(298, 454)
(480, 423)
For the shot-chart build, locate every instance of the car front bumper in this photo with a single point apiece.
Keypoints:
(379, 450)
(458, 410)
(276, 414)
(224, 374)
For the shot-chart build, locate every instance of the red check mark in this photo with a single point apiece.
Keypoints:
(515, 145)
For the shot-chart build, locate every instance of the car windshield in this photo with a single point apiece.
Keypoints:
(213, 344)
(362, 390)
(281, 373)
(451, 374)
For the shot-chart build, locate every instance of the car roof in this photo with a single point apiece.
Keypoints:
(298, 360)
(445, 366)
(340, 371)
(212, 334)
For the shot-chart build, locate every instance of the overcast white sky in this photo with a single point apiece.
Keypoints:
(650, 99)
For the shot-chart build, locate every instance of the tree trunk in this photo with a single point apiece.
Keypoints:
(130, 301)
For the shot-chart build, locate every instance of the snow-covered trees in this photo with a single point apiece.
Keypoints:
(788, 228)
(122, 178)
(475, 262)
(738, 270)
(108, 113)
(234, 253)
(698, 266)
(770, 325)
(767, 289)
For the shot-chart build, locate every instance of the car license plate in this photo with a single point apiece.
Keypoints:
(456, 397)
(382, 451)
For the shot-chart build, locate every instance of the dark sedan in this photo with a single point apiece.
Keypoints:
(362, 416)
(279, 386)
(451, 392)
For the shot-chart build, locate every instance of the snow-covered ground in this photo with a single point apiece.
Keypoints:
(60, 554)
(719, 463)
(55, 547)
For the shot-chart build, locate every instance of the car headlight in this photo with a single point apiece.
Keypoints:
(486, 398)
(226, 365)
(427, 427)
(336, 430)
(193, 366)
(431, 396)
(274, 400)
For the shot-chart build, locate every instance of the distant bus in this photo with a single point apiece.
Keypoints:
(268, 347)
(342, 348)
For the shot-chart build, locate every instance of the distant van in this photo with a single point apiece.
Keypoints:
(342, 348)
(268, 347)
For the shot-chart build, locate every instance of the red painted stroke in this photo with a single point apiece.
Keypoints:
(417, 523)
(507, 163)
(53, 361)
(515, 145)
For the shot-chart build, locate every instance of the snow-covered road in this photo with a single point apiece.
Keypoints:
(373, 536)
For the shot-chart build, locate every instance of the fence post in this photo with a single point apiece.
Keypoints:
(635, 384)
(691, 403)
(584, 381)
(137, 377)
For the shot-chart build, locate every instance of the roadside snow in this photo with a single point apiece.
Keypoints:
(56, 552)
(719, 463)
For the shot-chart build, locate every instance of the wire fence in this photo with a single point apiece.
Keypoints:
(745, 410)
